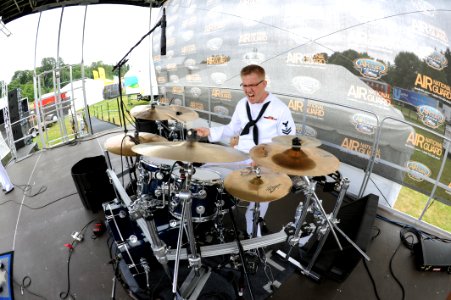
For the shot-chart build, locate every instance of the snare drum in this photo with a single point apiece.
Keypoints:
(206, 187)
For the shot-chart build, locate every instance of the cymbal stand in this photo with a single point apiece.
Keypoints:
(194, 259)
(241, 253)
(330, 225)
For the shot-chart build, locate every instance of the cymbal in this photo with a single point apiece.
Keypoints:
(247, 186)
(190, 151)
(120, 145)
(304, 140)
(181, 113)
(160, 113)
(150, 112)
(295, 161)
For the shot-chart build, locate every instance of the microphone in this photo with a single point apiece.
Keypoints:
(163, 33)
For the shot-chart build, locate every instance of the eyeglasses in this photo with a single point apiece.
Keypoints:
(251, 85)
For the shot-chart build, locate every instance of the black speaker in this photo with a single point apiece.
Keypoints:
(92, 182)
(18, 134)
(13, 104)
(356, 221)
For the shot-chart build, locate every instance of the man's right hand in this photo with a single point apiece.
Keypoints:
(203, 131)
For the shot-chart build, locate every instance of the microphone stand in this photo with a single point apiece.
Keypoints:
(122, 62)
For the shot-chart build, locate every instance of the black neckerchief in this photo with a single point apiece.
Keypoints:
(253, 122)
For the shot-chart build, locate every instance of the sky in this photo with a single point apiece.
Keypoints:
(111, 31)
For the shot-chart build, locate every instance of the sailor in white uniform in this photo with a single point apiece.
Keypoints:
(7, 186)
(257, 118)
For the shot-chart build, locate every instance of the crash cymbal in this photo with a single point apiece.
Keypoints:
(303, 140)
(246, 185)
(181, 113)
(295, 161)
(190, 151)
(151, 112)
(122, 145)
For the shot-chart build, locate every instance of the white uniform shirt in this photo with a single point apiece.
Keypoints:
(276, 120)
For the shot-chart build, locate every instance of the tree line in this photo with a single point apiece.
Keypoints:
(23, 79)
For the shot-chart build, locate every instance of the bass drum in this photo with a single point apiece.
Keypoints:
(206, 187)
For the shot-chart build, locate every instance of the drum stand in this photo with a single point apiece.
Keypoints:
(330, 225)
(198, 275)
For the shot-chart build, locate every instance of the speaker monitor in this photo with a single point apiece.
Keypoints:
(13, 104)
(18, 134)
(356, 221)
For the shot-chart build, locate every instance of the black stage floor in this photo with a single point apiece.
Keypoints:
(38, 218)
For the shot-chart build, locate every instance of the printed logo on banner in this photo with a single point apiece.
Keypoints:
(190, 63)
(214, 44)
(195, 92)
(360, 147)
(174, 78)
(370, 68)
(171, 67)
(306, 84)
(437, 60)
(305, 130)
(434, 86)
(430, 116)
(218, 77)
(425, 144)
(253, 57)
(196, 105)
(195, 78)
(178, 90)
(221, 94)
(209, 28)
(367, 96)
(218, 59)
(221, 110)
(298, 58)
(161, 79)
(315, 110)
(365, 124)
(253, 38)
(430, 31)
(189, 49)
(417, 171)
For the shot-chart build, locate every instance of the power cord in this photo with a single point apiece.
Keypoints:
(38, 207)
(373, 282)
(78, 238)
(24, 286)
(26, 188)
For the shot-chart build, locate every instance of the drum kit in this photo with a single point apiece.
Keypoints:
(174, 179)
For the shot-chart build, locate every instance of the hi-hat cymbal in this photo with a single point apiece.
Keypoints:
(122, 144)
(181, 113)
(150, 112)
(303, 140)
(247, 186)
(295, 161)
(190, 152)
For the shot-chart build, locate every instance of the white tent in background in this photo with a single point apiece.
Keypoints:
(94, 92)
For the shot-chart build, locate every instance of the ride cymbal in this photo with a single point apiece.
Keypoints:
(295, 161)
(181, 113)
(150, 112)
(268, 186)
(190, 151)
(122, 144)
(303, 141)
